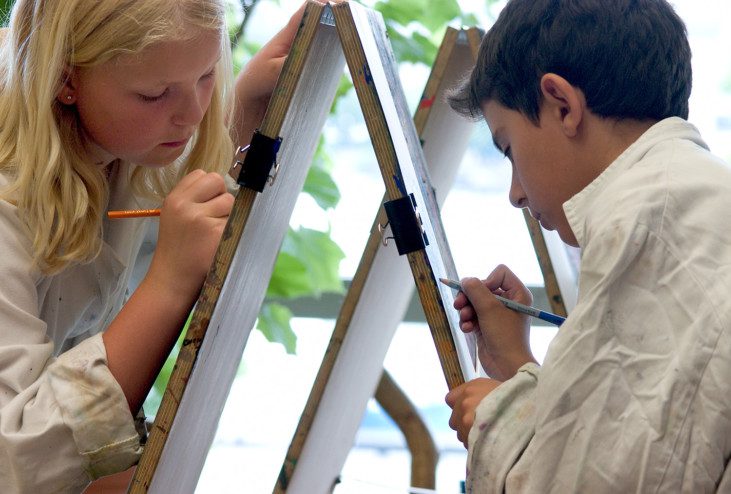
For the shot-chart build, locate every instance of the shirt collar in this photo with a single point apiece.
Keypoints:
(577, 207)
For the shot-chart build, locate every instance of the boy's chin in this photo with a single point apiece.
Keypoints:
(567, 237)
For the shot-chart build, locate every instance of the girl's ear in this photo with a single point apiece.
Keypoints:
(564, 102)
(67, 93)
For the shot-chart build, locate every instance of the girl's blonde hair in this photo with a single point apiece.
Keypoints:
(61, 197)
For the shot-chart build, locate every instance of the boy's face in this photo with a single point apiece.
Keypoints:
(145, 108)
(543, 162)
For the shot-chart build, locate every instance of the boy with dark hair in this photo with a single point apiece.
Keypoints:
(588, 100)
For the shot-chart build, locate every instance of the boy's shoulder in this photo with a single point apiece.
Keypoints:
(667, 174)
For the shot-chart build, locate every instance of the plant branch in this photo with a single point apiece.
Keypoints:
(241, 30)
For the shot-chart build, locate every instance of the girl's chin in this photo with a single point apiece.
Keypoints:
(158, 160)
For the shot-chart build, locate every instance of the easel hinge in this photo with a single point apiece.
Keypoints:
(327, 18)
(258, 163)
(406, 225)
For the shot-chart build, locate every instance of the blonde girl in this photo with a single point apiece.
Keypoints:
(107, 104)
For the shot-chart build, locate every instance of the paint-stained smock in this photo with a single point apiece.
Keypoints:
(634, 394)
(64, 420)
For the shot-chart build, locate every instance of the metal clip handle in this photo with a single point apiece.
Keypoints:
(382, 232)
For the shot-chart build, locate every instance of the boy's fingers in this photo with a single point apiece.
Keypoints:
(467, 313)
(453, 395)
(502, 281)
(479, 295)
(460, 300)
(467, 326)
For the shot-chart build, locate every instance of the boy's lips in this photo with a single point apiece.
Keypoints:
(538, 218)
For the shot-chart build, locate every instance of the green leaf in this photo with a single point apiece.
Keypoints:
(415, 49)
(344, 87)
(290, 278)
(274, 323)
(323, 189)
(321, 257)
(470, 20)
(5, 7)
(431, 14)
(401, 11)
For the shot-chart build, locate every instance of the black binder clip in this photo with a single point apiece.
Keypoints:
(257, 165)
(406, 225)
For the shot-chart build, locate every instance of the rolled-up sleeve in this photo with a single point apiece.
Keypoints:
(504, 425)
(94, 408)
(63, 420)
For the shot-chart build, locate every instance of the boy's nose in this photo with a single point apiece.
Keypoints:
(517, 195)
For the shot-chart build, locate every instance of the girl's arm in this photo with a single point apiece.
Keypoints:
(140, 338)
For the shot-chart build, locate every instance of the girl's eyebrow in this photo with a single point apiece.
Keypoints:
(163, 82)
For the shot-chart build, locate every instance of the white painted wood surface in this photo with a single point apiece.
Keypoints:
(385, 297)
(243, 292)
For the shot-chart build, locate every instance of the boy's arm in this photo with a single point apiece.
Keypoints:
(628, 395)
(502, 430)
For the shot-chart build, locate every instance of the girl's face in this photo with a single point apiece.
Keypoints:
(144, 108)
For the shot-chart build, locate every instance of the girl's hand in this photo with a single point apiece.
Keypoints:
(192, 220)
(255, 83)
(463, 401)
(502, 334)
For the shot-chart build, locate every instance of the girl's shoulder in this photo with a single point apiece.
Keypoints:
(15, 243)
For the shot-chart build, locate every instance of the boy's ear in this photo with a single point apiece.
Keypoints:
(67, 93)
(563, 101)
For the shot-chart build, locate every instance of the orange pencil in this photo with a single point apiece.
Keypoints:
(139, 213)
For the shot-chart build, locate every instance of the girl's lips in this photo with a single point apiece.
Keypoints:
(176, 144)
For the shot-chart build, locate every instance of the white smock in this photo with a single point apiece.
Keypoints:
(634, 394)
(64, 419)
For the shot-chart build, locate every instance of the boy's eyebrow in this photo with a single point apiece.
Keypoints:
(494, 141)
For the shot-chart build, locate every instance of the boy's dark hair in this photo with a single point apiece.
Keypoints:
(630, 58)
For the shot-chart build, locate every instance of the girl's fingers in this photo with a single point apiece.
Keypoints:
(189, 180)
(220, 206)
(207, 187)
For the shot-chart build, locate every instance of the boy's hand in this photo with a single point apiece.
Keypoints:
(463, 401)
(502, 334)
(192, 220)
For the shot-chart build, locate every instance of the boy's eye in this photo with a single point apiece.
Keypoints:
(152, 99)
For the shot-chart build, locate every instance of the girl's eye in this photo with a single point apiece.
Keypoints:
(152, 99)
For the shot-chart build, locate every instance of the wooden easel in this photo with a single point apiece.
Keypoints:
(381, 288)
(176, 450)
(378, 296)
(234, 289)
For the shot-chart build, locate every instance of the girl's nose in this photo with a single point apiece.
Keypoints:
(190, 110)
